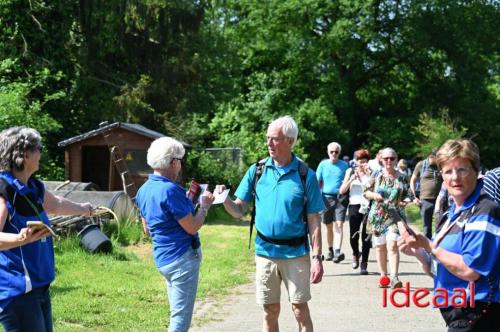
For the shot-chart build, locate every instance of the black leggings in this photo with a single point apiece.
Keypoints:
(355, 221)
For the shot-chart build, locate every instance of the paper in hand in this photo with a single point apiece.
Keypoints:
(220, 198)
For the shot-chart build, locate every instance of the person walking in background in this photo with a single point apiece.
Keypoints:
(170, 218)
(27, 254)
(427, 173)
(375, 164)
(330, 174)
(492, 184)
(355, 181)
(387, 189)
(282, 246)
(403, 168)
(466, 246)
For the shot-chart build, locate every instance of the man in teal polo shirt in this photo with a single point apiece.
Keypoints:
(330, 174)
(279, 254)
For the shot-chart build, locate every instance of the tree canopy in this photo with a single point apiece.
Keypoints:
(367, 74)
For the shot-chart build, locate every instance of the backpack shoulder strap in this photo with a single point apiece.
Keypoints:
(303, 169)
(425, 167)
(259, 169)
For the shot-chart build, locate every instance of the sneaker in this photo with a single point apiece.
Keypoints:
(364, 269)
(338, 258)
(396, 283)
(329, 257)
(355, 262)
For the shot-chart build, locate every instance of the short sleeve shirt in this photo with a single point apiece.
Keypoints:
(477, 239)
(279, 206)
(162, 203)
(331, 175)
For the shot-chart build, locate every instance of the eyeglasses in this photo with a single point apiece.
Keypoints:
(334, 152)
(274, 139)
(389, 158)
(179, 159)
(461, 172)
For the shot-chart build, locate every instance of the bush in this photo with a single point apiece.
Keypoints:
(206, 168)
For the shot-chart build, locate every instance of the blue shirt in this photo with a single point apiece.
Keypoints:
(477, 239)
(31, 265)
(280, 206)
(162, 203)
(332, 175)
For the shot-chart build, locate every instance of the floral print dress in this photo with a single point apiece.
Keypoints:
(394, 190)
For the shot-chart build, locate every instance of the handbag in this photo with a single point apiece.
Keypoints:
(343, 199)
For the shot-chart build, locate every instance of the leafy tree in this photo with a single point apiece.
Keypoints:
(435, 131)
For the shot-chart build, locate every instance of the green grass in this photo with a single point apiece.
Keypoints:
(123, 291)
(413, 214)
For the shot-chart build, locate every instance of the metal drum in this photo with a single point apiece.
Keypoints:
(117, 201)
(70, 186)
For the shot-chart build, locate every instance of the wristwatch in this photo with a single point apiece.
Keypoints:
(318, 257)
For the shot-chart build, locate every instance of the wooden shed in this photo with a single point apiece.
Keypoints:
(87, 157)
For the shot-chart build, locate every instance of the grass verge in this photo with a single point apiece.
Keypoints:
(123, 291)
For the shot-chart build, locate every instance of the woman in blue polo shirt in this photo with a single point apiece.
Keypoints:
(169, 217)
(465, 250)
(26, 254)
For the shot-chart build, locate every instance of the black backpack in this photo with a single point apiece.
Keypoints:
(259, 168)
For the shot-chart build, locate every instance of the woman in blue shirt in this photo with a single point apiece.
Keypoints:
(464, 253)
(169, 217)
(26, 254)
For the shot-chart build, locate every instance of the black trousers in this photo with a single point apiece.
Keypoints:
(355, 223)
(478, 319)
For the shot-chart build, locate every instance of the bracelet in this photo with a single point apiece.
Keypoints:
(318, 257)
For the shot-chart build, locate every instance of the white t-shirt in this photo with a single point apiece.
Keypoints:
(356, 191)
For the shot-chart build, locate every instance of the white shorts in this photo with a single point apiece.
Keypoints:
(383, 238)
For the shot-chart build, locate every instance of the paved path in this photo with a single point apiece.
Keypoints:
(343, 301)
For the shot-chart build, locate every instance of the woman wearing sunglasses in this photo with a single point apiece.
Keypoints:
(464, 253)
(387, 189)
(26, 253)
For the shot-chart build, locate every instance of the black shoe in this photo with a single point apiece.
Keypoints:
(338, 258)
(355, 262)
(364, 269)
(329, 257)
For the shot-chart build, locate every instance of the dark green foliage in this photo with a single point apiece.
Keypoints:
(215, 73)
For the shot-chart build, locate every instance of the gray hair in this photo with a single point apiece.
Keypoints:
(288, 127)
(14, 143)
(162, 151)
(389, 149)
(335, 144)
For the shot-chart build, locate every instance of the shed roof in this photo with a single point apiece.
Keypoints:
(133, 127)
